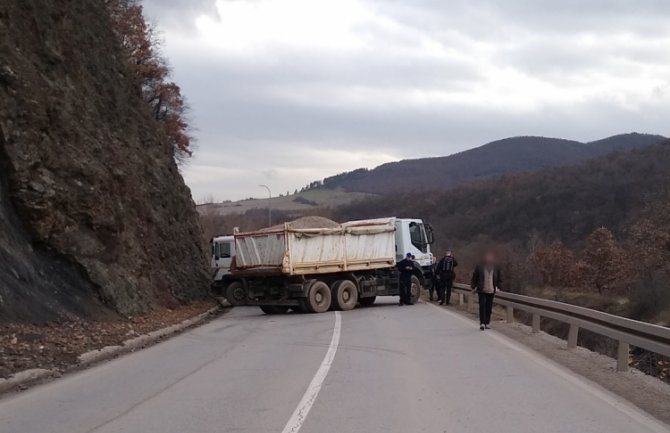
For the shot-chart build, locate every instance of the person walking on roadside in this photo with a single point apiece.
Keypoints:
(406, 269)
(445, 275)
(486, 282)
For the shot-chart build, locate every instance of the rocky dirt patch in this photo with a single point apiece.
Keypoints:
(57, 344)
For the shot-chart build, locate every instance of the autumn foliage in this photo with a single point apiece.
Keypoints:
(556, 264)
(606, 266)
(142, 46)
(650, 236)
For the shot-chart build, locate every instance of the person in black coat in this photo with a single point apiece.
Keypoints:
(445, 275)
(486, 281)
(406, 269)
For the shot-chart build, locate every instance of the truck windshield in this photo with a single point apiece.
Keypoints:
(222, 250)
(418, 236)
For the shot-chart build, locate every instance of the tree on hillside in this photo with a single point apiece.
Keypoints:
(142, 46)
(534, 242)
(650, 236)
(556, 264)
(605, 264)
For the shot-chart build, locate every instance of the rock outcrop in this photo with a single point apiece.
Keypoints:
(93, 209)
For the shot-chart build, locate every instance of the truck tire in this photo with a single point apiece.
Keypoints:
(333, 290)
(236, 294)
(318, 298)
(367, 301)
(415, 290)
(345, 295)
(274, 309)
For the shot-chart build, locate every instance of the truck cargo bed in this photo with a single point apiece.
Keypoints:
(352, 246)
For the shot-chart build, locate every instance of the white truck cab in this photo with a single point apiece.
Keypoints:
(414, 236)
(223, 250)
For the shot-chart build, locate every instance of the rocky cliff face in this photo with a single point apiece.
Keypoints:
(104, 216)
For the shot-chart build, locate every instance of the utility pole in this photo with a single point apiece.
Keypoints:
(269, 204)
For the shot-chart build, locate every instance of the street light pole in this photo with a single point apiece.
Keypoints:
(269, 204)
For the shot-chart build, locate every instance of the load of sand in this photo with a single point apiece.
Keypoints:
(308, 222)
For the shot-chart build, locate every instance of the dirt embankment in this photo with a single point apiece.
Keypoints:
(25, 346)
(95, 218)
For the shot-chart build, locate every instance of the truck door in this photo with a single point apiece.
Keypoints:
(223, 255)
(417, 236)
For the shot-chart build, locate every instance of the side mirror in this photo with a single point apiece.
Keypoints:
(429, 234)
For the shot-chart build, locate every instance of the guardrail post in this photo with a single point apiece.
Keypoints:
(572, 336)
(536, 323)
(471, 302)
(623, 355)
(510, 314)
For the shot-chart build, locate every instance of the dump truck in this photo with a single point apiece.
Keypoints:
(313, 270)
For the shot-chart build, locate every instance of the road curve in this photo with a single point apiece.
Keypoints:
(390, 369)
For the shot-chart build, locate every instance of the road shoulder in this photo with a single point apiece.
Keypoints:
(46, 369)
(645, 392)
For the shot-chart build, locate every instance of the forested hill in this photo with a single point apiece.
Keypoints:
(511, 155)
(565, 203)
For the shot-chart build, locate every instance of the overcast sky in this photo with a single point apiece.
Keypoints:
(284, 92)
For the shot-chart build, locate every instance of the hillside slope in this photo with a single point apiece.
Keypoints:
(104, 217)
(565, 203)
(511, 155)
(305, 201)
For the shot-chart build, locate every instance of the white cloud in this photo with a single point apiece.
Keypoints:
(290, 91)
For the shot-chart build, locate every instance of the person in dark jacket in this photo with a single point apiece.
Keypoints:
(406, 269)
(486, 282)
(445, 275)
(432, 288)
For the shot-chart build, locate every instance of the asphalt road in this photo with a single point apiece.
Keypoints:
(379, 369)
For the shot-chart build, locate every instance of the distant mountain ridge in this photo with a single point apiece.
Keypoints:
(561, 203)
(510, 155)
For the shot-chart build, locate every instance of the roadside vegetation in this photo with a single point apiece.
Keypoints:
(142, 45)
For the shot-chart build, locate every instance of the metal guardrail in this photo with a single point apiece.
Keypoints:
(625, 331)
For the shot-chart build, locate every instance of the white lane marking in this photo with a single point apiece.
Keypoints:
(300, 414)
(581, 382)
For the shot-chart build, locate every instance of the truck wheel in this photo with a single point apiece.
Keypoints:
(345, 295)
(318, 298)
(274, 309)
(235, 293)
(415, 290)
(333, 291)
(367, 301)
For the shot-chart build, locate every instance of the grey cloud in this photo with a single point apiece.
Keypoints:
(178, 14)
(237, 98)
(549, 16)
(265, 117)
(440, 134)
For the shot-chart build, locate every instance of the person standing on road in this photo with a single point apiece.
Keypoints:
(445, 274)
(406, 269)
(486, 282)
(433, 287)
